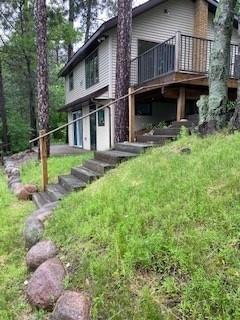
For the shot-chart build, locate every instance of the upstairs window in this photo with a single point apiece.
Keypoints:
(92, 69)
(71, 82)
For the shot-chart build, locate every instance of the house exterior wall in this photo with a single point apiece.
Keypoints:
(156, 25)
(80, 89)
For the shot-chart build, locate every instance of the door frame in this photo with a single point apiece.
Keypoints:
(78, 127)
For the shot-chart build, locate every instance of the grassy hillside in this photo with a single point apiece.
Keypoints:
(31, 171)
(13, 272)
(159, 237)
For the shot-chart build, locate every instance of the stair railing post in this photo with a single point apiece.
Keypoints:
(43, 159)
(131, 105)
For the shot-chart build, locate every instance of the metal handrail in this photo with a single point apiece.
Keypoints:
(113, 102)
(85, 116)
(154, 47)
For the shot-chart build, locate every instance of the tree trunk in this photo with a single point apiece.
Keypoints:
(219, 65)
(235, 121)
(88, 20)
(3, 114)
(42, 67)
(71, 21)
(29, 76)
(123, 67)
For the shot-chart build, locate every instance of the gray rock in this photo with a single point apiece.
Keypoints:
(43, 213)
(72, 306)
(186, 150)
(33, 232)
(46, 284)
(40, 253)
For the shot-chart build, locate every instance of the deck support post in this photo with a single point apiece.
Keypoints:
(44, 159)
(131, 104)
(181, 104)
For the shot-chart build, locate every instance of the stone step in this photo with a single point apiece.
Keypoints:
(179, 124)
(56, 191)
(85, 174)
(71, 183)
(155, 139)
(132, 147)
(166, 131)
(98, 166)
(114, 156)
(41, 199)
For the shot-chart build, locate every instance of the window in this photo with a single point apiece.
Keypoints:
(101, 118)
(144, 46)
(91, 69)
(71, 82)
(143, 109)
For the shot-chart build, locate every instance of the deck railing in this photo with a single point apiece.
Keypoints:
(181, 53)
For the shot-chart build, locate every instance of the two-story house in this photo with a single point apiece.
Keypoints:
(171, 44)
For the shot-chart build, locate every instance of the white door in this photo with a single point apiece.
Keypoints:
(78, 130)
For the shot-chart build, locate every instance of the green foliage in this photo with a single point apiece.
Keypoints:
(13, 271)
(19, 133)
(158, 238)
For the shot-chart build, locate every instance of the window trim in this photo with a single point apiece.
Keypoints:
(88, 82)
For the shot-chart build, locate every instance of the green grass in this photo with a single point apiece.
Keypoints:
(13, 272)
(31, 171)
(159, 237)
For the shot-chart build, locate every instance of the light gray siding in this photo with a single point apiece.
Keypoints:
(158, 26)
(79, 76)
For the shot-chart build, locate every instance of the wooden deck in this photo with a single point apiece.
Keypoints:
(179, 79)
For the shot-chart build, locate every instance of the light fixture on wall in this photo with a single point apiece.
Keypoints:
(166, 11)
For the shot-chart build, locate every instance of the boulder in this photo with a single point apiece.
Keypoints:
(15, 172)
(40, 253)
(21, 192)
(33, 232)
(43, 213)
(46, 284)
(186, 150)
(31, 188)
(72, 306)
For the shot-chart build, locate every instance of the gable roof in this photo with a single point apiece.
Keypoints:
(108, 25)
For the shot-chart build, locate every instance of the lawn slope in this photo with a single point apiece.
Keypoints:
(13, 271)
(159, 237)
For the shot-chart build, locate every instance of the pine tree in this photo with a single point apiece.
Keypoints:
(42, 66)
(124, 30)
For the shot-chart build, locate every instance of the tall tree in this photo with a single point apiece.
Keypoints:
(124, 31)
(71, 11)
(88, 19)
(42, 66)
(3, 114)
(219, 65)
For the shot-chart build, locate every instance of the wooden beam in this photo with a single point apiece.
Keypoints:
(131, 105)
(181, 104)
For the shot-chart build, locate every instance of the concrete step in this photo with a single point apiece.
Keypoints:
(56, 191)
(114, 156)
(41, 199)
(155, 139)
(179, 124)
(85, 174)
(132, 147)
(98, 166)
(71, 183)
(166, 131)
